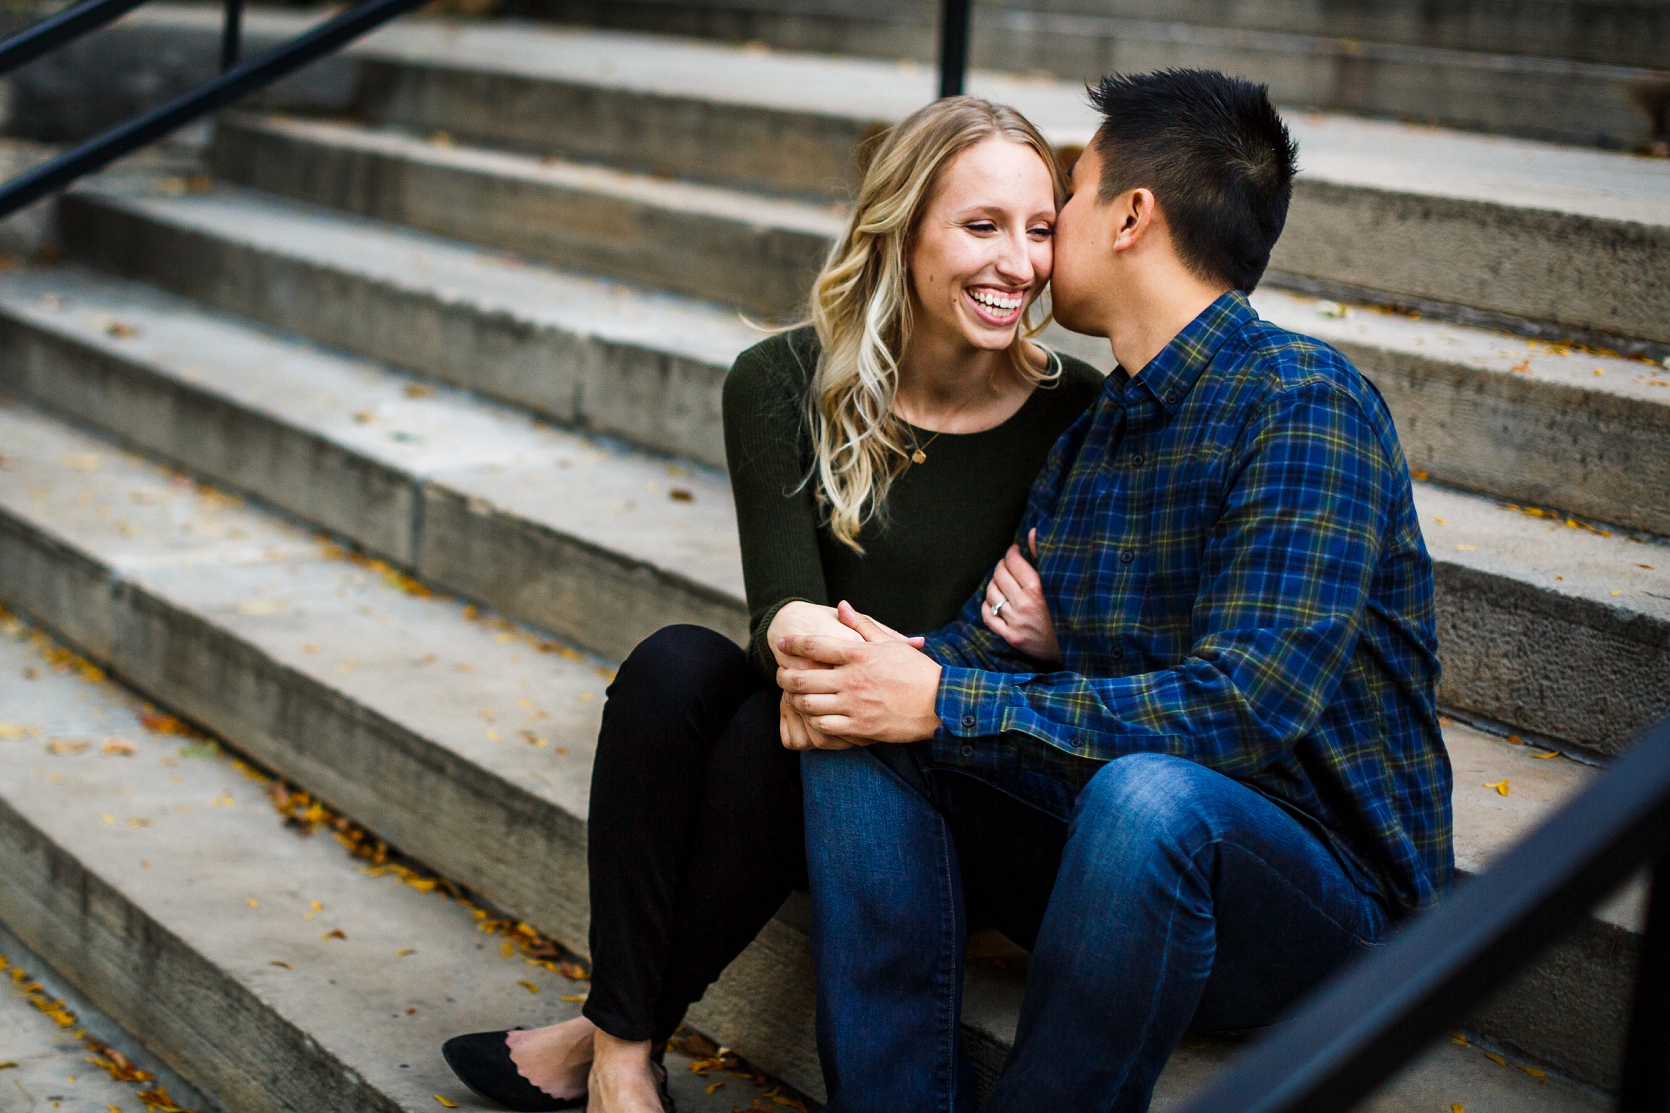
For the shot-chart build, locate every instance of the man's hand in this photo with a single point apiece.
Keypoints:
(882, 689)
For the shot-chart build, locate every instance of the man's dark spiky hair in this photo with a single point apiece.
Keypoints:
(1217, 157)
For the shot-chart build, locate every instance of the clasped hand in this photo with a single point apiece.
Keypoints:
(848, 680)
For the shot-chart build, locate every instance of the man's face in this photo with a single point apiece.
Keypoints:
(1084, 256)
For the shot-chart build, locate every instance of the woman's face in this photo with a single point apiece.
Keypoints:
(982, 250)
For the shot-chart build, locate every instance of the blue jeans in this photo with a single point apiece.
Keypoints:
(1183, 898)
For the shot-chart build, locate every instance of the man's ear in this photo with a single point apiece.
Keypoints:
(1134, 215)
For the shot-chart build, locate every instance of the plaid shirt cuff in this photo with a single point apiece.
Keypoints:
(972, 702)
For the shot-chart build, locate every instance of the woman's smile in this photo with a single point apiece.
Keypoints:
(996, 305)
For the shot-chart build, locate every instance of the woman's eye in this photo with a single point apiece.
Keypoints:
(982, 226)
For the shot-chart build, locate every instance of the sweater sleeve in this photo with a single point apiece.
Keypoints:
(776, 514)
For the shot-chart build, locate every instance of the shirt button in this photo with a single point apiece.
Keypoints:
(1136, 461)
(968, 751)
(1118, 654)
(968, 720)
(1171, 398)
(1126, 557)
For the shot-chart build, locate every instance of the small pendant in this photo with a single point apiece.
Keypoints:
(919, 457)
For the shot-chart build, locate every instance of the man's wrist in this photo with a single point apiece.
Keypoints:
(970, 702)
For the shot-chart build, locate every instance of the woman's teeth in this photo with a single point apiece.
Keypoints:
(1001, 303)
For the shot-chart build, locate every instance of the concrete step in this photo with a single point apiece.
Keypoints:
(1570, 72)
(595, 542)
(1478, 409)
(636, 364)
(1504, 228)
(465, 743)
(1616, 34)
(162, 886)
(1555, 629)
(50, 1054)
(709, 243)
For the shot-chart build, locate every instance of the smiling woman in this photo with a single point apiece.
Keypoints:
(880, 454)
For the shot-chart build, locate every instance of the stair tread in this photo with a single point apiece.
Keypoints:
(1511, 357)
(495, 281)
(1350, 150)
(204, 839)
(643, 189)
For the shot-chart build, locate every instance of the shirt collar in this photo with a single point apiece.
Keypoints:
(1170, 375)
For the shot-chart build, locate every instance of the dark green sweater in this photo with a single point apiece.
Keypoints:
(948, 521)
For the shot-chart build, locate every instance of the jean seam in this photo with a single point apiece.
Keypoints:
(948, 1011)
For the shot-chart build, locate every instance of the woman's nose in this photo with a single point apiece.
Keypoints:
(1014, 260)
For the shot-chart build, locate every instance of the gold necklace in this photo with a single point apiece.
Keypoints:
(919, 453)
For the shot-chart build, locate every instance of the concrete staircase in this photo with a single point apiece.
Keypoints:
(1571, 71)
(474, 325)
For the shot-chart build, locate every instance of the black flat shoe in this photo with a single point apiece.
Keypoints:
(481, 1060)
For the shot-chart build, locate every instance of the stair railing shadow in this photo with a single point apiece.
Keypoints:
(1369, 1020)
(237, 79)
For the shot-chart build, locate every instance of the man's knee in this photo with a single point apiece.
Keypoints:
(1148, 800)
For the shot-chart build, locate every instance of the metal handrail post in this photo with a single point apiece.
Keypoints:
(953, 46)
(232, 36)
(1646, 1077)
(72, 22)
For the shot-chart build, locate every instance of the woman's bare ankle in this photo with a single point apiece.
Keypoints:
(623, 1077)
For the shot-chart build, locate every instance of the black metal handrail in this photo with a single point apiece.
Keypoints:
(1378, 1014)
(236, 80)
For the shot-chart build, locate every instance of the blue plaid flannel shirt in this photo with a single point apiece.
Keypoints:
(1230, 552)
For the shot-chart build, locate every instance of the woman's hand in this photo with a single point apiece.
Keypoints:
(804, 618)
(1014, 609)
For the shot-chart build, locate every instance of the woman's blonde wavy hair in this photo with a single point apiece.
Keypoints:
(860, 306)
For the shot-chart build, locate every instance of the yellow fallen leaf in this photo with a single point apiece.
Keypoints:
(404, 953)
(1532, 1071)
(9, 731)
(494, 736)
(1545, 757)
(1457, 1107)
(65, 746)
(276, 962)
(571, 997)
(224, 800)
(1495, 1058)
(113, 1109)
(8, 1066)
(445, 1102)
(119, 746)
(108, 818)
(1617, 593)
(1467, 548)
(1500, 786)
(334, 933)
(317, 907)
(1458, 1038)
(715, 1085)
(527, 985)
(252, 902)
(139, 823)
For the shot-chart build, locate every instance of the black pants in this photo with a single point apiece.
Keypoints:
(695, 836)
